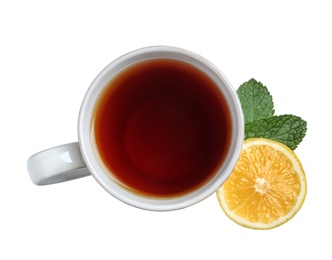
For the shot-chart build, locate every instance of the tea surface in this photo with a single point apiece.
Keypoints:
(162, 127)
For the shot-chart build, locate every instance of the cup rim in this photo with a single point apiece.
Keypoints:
(96, 169)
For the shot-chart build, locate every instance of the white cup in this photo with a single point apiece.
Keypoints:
(80, 159)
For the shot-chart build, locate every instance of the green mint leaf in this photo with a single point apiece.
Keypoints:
(256, 101)
(286, 129)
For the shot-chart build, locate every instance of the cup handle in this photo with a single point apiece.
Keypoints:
(57, 164)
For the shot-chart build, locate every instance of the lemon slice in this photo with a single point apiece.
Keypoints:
(267, 186)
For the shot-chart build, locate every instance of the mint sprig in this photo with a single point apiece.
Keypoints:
(258, 110)
(287, 129)
(256, 101)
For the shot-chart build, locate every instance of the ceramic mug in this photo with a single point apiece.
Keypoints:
(80, 159)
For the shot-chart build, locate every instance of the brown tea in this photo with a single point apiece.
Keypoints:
(162, 127)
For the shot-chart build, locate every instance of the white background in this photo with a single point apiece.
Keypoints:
(50, 53)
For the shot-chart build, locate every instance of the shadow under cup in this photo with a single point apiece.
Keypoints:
(160, 128)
